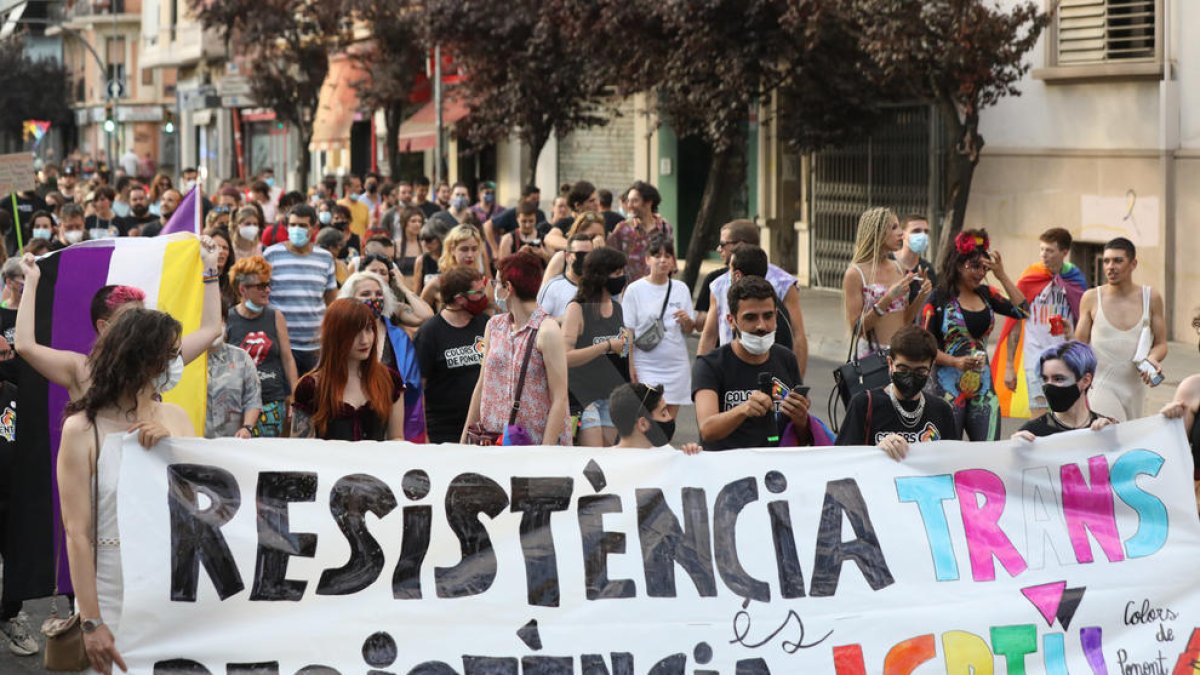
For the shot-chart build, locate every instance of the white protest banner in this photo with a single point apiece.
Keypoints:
(1075, 554)
(16, 173)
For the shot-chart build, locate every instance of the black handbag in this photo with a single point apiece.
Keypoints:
(858, 375)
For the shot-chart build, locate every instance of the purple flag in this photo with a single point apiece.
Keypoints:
(187, 218)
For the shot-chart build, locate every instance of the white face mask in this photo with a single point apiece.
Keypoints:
(248, 232)
(757, 344)
(167, 380)
(73, 236)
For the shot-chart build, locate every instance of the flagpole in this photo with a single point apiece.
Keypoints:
(201, 174)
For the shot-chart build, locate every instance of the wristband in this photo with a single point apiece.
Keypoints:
(211, 280)
(875, 308)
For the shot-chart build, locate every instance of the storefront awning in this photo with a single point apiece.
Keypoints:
(419, 132)
(338, 104)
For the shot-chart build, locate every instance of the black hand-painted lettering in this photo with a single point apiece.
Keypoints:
(598, 544)
(752, 667)
(536, 499)
(276, 541)
(547, 665)
(351, 499)
(490, 665)
(844, 499)
(196, 534)
(730, 501)
(179, 666)
(787, 559)
(593, 664)
(664, 542)
(406, 579)
(469, 495)
(264, 668)
(675, 664)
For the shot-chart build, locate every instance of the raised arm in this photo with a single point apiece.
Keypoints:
(198, 341)
(64, 368)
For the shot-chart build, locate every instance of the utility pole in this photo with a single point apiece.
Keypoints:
(437, 102)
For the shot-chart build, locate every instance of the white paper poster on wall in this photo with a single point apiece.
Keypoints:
(1133, 216)
(1074, 554)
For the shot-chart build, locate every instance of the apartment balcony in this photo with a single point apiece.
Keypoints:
(184, 44)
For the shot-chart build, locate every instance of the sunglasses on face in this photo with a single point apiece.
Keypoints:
(261, 286)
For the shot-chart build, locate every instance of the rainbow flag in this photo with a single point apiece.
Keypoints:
(1033, 281)
(168, 269)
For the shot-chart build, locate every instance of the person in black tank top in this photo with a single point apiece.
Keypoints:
(1186, 404)
(598, 356)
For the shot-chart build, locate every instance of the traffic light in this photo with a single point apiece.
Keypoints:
(110, 121)
(168, 120)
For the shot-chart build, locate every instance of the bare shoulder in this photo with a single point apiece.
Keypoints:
(76, 424)
(549, 330)
(177, 420)
(1189, 389)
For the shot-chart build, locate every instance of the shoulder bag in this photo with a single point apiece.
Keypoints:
(64, 636)
(858, 374)
(513, 434)
(648, 339)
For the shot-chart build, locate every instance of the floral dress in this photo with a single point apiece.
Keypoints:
(502, 369)
(962, 332)
(629, 238)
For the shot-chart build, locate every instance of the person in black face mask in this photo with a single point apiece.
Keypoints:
(642, 419)
(1067, 371)
(901, 413)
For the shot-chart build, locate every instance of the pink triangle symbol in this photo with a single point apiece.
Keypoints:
(1046, 598)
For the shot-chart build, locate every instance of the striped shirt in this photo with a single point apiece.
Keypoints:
(298, 285)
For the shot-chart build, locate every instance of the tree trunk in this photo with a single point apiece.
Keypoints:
(726, 176)
(961, 171)
(305, 135)
(535, 152)
(393, 117)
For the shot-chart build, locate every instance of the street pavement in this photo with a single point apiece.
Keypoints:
(827, 349)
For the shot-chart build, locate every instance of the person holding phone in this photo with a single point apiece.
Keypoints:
(895, 416)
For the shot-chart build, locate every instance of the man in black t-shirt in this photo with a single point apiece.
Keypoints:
(731, 408)
(505, 221)
(139, 217)
(450, 353)
(899, 414)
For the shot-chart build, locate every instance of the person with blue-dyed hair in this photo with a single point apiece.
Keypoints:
(1067, 371)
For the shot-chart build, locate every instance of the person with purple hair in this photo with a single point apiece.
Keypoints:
(1067, 372)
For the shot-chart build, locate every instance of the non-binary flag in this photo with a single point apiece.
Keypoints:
(169, 270)
(188, 217)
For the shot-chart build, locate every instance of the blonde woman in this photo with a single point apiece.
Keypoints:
(589, 223)
(875, 287)
(462, 247)
(247, 226)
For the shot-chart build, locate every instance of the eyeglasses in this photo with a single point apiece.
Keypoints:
(975, 265)
(471, 293)
(266, 285)
(723, 244)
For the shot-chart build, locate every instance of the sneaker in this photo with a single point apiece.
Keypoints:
(20, 640)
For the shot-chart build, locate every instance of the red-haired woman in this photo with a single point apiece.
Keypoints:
(350, 395)
(507, 339)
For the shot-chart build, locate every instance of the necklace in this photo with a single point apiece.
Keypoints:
(1063, 425)
(908, 419)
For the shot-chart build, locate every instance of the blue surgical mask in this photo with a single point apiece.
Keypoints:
(253, 306)
(42, 233)
(270, 182)
(501, 303)
(918, 242)
(459, 203)
(489, 197)
(325, 217)
(298, 236)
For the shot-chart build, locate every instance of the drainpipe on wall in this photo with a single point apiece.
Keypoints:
(1168, 130)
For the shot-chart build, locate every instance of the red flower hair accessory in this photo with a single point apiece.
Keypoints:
(966, 243)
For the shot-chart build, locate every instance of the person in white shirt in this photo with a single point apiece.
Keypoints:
(558, 290)
(645, 302)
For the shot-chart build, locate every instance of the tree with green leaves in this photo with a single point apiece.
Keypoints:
(962, 56)
(285, 45)
(524, 75)
(31, 89)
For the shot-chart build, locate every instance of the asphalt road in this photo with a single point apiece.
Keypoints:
(819, 378)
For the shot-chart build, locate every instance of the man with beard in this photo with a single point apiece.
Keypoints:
(139, 217)
(730, 384)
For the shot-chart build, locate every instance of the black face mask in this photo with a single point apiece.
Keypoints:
(1060, 397)
(908, 385)
(615, 285)
(577, 265)
(660, 433)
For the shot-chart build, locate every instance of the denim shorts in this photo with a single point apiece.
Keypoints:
(595, 415)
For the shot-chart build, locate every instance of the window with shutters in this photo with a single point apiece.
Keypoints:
(1098, 31)
(1104, 38)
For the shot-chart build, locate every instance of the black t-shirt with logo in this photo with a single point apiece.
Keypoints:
(450, 360)
(734, 380)
(936, 423)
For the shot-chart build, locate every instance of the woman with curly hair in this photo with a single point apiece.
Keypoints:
(350, 395)
(262, 331)
(134, 361)
(961, 314)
